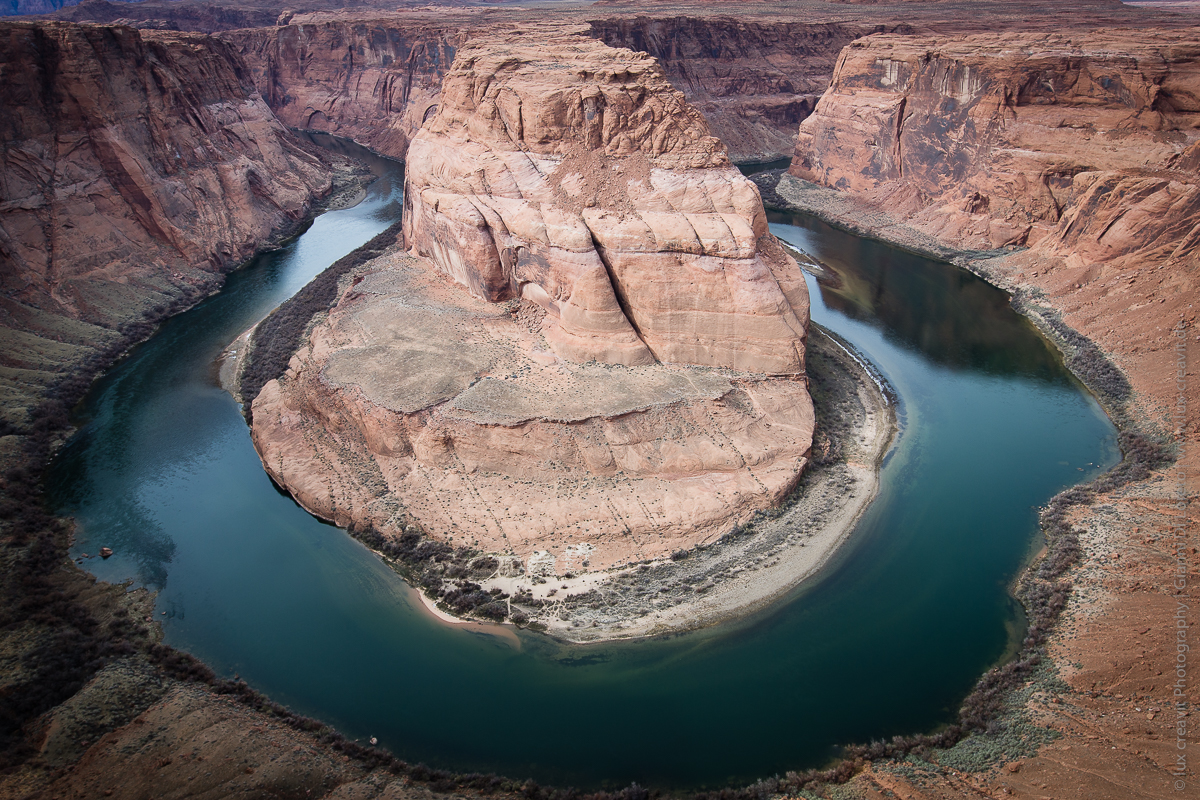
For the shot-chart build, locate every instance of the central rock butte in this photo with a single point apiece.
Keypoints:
(592, 352)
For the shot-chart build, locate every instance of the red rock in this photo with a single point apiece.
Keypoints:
(989, 141)
(754, 80)
(372, 80)
(575, 199)
(137, 167)
(573, 175)
(1083, 146)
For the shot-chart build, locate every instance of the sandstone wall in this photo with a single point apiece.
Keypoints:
(574, 175)
(371, 80)
(136, 167)
(1077, 153)
(754, 80)
(989, 141)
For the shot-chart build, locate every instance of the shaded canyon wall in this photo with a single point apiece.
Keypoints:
(370, 80)
(137, 167)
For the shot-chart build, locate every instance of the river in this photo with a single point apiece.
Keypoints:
(887, 640)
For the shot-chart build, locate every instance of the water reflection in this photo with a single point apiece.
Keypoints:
(951, 316)
(148, 426)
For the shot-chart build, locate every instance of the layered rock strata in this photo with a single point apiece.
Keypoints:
(994, 141)
(414, 402)
(571, 225)
(1082, 148)
(754, 80)
(137, 167)
(373, 80)
(574, 176)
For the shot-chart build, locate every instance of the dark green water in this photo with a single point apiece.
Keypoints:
(887, 641)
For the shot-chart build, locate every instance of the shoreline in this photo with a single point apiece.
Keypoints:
(737, 575)
(1087, 674)
(743, 572)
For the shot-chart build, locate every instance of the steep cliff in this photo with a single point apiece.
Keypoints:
(372, 77)
(575, 176)
(753, 80)
(993, 141)
(1082, 147)
(371, 80)
(571, 222)
(137, 167)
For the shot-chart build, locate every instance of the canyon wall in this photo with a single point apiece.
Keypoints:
(371, 80)
(137, 167)
(583, 182)
(1083, 148)
(988, 141)
(753, 80)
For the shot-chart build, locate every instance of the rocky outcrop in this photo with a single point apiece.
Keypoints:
(754, 80)
(986, 142)
(571, 225)
(373, 77)
(573, 175)
(373, 80)
(137, 167)
(1083, 148)
(415, 403)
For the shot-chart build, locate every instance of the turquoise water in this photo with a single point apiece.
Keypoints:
(887, 640)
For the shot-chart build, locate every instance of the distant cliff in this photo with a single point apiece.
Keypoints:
(137, 167)
(754, 81)
(371, 81)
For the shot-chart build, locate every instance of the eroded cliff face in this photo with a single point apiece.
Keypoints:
(1082, 147)
(992, 141)
(373, 80)
(753, 80)
(573, 175)
(571, 224)
(137, 167)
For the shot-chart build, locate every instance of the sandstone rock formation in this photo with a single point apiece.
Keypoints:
(373, 79)
(573, 175)
(1083, 147)
(592, 228)
(136, 167)
(417, 403)
(754, 80)
(990, 141)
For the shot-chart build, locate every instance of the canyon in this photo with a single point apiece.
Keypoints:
(1061, 165)
(1064, 167)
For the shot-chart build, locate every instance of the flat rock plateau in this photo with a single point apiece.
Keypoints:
(1049, 147)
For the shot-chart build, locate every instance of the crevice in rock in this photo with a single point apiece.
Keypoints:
(619, 293)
